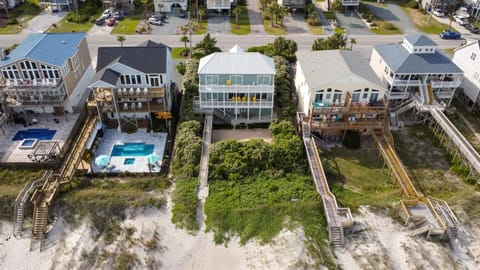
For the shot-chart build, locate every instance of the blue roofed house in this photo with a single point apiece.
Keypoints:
(415, 71)
(46, 73)
(237, 86)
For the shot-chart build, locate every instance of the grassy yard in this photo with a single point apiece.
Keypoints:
(275, 29)
(315, 29)
(422, 23)
(377, 24)
(432, 170)
(23, 13)
(176, 52)
(356, 177)
(243, 27)
(64, 26)
(203, 27)
(127, 26)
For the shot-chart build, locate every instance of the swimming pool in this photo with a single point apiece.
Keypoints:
(34, 133)
(132, 150)
(28, 144)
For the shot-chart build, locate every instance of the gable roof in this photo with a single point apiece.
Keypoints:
(148, 57)
(400, 60)
(321, 68)
(236, 62)
(49, 48)
(419, 40)
(474, 42)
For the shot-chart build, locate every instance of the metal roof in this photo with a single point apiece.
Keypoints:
(399, 60)
(148, 57)
(236, 62)
(49, 48)
(419, 40)
(322, 68)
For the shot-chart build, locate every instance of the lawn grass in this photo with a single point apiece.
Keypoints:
(340, 30)
(329, 15)
(203, 27)
(24, 13)
(243, 27)
(378, 25)
(315, 29)
(176, 52)
(421, 21)
(356, 177)
(64, 26)
(127, 26)
(275, 29)
(383, 29)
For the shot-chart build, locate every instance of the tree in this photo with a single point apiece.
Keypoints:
(334, 42)
(184, 39)
(264, 4)
(236, 11)
(206, 46)
(201, 14)
(160, 7)
(353, 41)
(271, 10)
(337, 5)
(121, 39)
(284, 47)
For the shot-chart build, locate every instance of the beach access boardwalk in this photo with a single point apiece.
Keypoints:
(424, 214)
(45, 188)
(337, 218)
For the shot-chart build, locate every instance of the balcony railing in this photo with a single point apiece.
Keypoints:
(106, 94)
(446, 84)
(214, 104)
(400, 82)
(20, 83)
(237, 88)
(132, 107)
(398, 95)
(350, 2)
(36, 101)
(354, 108)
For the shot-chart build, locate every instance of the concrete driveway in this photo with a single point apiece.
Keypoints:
(394, 14)
(170, 25)
(218, 24)
(43, 21)
(255, 17)
(352, 23)
(296, 24)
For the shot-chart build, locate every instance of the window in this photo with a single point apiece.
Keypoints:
(131, 79)
(30, 70)
(261, 96)
(386, 70)
(356, 97)
(10, 72)
(473, 56)
(476, 75)
(65, 69)
(319, 96)
(154, 80)
(211, 79)
(337, 96)
(263, 80)
(236, 79)
(50, 72)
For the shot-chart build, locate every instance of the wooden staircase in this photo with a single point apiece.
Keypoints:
(421, 230)
(336, 236)
(40, 218)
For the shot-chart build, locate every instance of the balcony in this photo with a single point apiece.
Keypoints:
(446, 84)
(354, 108)
(402, 82)
(224, 104)
(398, 95)
(37, 101)
(29, 84)
(350, 3)
(237, 88)
(106, 94)
(132, 107)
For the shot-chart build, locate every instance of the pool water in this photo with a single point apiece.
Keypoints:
(35, 133)
(28, 142)
(129, 161)
(132, 149)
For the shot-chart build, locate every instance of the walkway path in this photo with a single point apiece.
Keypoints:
(255, 18)
(327, 29)
(202, 189)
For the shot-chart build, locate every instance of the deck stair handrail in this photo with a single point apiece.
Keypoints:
(463, 146)
(42, 198)
(337, 218)
(405, 106)
(225, 116)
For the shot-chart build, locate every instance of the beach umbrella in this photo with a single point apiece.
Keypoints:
(102, 160)
(152, 158)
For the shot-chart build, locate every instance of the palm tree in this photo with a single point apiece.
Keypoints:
(184, 39)
(236, 11)
(121, 39)
(201, 13)
(353, 41)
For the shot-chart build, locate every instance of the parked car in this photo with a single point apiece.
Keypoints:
(100, 21)
(106, 14)
(460, 19)
(438, 12)
(182, 14)
(472, 28)
(111, 22)
(450, 35)
(155, 21)
(117, 15)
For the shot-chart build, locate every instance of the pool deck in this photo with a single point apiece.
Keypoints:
(112, 137)
(10, 151)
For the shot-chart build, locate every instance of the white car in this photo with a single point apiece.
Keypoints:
(438, 12)
(155, 21)
(460, 19)
(106, 14)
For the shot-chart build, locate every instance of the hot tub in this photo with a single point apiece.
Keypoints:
(28, 144)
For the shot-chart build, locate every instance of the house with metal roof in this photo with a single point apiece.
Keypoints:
(132, 83)
(338, 91)
(46, 73)
(237, 86)
(467, 58)
(416, 70)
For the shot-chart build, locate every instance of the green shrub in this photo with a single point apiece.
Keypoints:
(352, 139)
(389, 26)
(12, 21)
(413, 4)
(181, 68)
(373, 24)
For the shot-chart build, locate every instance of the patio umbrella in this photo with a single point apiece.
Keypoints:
(102, 160)
(152, 158)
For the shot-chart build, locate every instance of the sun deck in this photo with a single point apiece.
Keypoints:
(126, 163)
